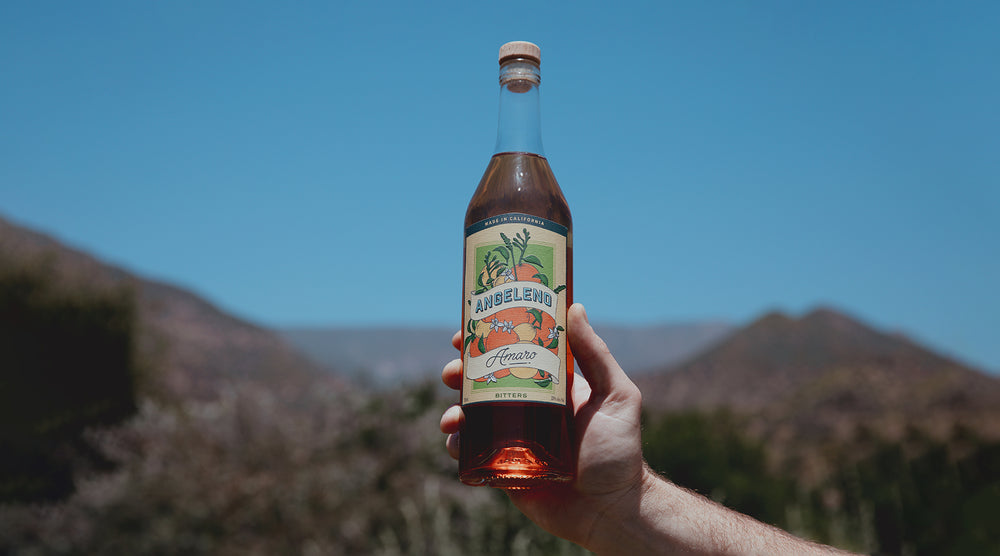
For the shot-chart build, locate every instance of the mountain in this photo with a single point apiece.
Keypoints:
(641, 350)
(190, 348)
(376, 356)
(822, 377)
(380, 355)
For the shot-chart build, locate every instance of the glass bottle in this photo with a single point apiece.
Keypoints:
(518, 284)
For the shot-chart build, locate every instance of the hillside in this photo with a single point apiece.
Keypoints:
(235, 443)
(815, 381)
(380, 356)
(191, 349)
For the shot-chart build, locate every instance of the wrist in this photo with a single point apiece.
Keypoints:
(659, 517)
(629, 524)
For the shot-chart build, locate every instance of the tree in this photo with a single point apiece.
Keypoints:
(66, 363)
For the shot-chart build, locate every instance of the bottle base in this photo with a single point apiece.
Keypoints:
(514, 468)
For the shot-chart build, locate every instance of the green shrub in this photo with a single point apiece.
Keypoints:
(66, 364)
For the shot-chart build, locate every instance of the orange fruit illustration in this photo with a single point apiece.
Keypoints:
(526, 273)
(517, 325)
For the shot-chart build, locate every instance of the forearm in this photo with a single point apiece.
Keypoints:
(663, 518)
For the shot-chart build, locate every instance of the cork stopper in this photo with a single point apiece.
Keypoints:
(521, 49)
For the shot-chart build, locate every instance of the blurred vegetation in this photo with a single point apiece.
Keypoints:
(66, 363)
(360, 473)
(708, 453)
(918, 496)
(335, 473)
(90, 468)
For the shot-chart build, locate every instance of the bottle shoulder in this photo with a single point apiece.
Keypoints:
(518, 182)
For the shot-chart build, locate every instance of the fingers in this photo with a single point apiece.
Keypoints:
(597, 365)
(452, 420)
(451, 374)
(452, 445)
(451, 423)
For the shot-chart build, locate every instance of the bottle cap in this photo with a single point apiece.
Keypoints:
(521, 49)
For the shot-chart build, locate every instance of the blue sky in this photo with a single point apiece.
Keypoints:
(310, 162)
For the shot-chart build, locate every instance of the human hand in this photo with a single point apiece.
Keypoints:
(617, 505)
(610, 469)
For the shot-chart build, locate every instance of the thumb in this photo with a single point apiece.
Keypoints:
(597, 365)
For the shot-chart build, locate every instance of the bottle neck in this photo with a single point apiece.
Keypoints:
(519, 128)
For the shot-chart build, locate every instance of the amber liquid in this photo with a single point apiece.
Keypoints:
(520, 444)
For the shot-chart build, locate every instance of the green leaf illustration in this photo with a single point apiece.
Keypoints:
(536, 316)
(559, 288)
(504, 252)
(542, 278)
(533, 260)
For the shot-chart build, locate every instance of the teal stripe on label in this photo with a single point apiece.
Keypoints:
(516, 218)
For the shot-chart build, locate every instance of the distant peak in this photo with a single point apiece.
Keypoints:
(773, 317)
(823, 311)
(828, 317)
(824, 316)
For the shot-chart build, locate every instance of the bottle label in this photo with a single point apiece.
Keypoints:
(515, 310)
